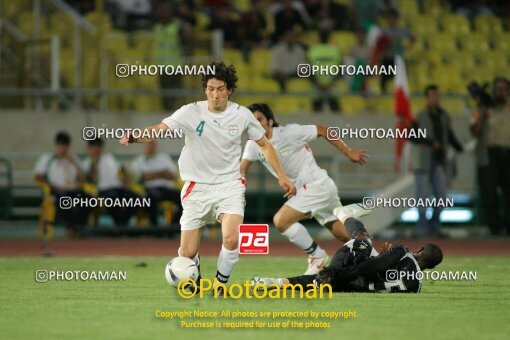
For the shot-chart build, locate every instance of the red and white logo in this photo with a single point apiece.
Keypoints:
(254, 239)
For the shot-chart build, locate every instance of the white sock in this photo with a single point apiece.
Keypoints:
(226, 262)
(298, 235)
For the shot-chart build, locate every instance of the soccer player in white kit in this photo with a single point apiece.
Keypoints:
(210, 165)
(317, 194)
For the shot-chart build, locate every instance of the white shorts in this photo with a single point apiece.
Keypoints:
(203, 203)
(317, 199)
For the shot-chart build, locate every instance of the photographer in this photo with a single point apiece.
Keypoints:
(493, 126)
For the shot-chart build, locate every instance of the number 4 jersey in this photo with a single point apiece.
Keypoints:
(212, 144)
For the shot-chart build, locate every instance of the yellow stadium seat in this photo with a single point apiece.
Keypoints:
(488, 24)
(453, 105)
(384, 105)
(144, 39)
(299, 85)
(456, 24)
(247, 100)
(116, 42)
(260, 60)
(352, 104)
(494, 59)
(101, 20)
(202, 20)
(423, 25)
(264, 85)
(442, 42)
(501, 42)
(232, 56)
(417, 104)
(475, 43)
(284, 104)
(459, 60)
(345, 41)
(408, 8)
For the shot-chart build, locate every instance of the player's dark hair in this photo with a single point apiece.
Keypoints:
(326, 275)
(96, 142)
(431, 87)
(221, 72)
(265, 110)
(431, 256)
(63, 137)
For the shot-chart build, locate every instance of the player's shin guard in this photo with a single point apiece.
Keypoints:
(298, 235)
(226, 263)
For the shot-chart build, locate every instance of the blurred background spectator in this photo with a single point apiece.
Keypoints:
(430, 160)
(170, 33)
(61, 171)
(111, 180)
(158, 174)
(324, 53)
(285, 57)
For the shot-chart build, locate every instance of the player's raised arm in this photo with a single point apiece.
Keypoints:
(356, 156)
(148, 131)
(272, 158)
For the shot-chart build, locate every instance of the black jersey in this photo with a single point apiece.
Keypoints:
(395, 270)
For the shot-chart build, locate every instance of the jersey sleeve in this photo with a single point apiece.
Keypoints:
(251, 151)
(253, 127)
(304, 133)
(42, 164)
(179, 119)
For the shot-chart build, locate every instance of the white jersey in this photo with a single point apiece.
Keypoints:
(290, 142)
(212, 144)
(59, 172)
(108, 169)
(159, 162)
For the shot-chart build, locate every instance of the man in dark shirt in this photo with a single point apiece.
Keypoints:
(429, 159)
(356, 267)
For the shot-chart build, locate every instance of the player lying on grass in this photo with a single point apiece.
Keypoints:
(356, 267)
(317, 194)
(209, 165)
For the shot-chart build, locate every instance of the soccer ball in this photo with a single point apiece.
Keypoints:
(180, 268)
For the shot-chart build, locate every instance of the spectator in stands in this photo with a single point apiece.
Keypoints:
(366, 12)
(288, 16)
(285, 57)
(130, 15)
(430, 161)
(186, 12)
(223, 20)
(486, 182)
(158, 174)
(329, 15)
(170, 33)
(111, 180)
(498, 144)
(324, 53)
(253, 29)
(395, 35)
(359, 55)
(61, 171)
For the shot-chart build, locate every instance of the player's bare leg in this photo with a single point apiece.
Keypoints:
(229, 254)
(190, 244)
(286, 221)
(338, 230)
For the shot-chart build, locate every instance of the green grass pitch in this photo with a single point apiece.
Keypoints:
(126, 309)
